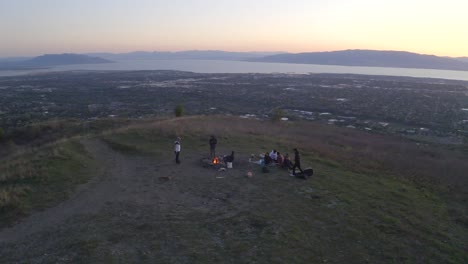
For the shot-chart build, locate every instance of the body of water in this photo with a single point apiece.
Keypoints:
(217, 66)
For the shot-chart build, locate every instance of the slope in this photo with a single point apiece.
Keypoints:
(144, 208)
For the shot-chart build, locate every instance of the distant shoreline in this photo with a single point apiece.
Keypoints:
(23, 68)
(240, 67)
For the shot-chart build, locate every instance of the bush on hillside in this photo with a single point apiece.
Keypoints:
(179, 110)
(277, 114)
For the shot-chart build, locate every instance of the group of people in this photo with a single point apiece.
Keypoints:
(274, 157)
(212, 142)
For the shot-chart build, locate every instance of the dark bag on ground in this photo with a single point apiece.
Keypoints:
(305, 173)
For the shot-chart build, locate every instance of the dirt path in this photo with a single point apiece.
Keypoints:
(130, 189)
(88, 199)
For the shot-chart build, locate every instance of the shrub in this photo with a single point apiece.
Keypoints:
(179, 110)
(277, 114)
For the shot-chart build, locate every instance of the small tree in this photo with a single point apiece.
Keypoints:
(179, 110)
(277, 114)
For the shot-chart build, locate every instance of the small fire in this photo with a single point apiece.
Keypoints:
(215, 161)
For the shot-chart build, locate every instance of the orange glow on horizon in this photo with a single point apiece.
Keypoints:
(421, 26)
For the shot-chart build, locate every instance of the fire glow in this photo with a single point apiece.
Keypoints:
(215, 161)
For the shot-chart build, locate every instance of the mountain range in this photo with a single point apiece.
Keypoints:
(367, 58)
(185, 55)
(463, 59)
(371, 58)
(49, 60)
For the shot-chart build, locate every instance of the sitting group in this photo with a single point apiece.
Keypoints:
(275, 158)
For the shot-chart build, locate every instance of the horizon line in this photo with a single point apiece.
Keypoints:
(219, 50)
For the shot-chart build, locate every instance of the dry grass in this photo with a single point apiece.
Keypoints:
(37, 180)
(29, 139)
(356, 150)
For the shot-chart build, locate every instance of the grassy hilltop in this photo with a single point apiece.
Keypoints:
(373, 198)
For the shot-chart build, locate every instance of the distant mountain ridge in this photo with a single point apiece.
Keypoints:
(49, 60)
(368, 58)
(184, 55)
(371, 58)
(64, 59)
(463, 59)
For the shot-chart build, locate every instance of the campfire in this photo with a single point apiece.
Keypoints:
(215, 162)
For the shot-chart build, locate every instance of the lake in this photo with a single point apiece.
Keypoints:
(218, 66)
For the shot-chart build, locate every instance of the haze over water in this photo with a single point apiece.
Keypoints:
(218, 66)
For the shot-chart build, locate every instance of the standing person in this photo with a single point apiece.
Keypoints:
(177, 150)
(213, 143)
(297, 162)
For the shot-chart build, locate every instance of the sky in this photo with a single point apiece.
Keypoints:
(35, 27)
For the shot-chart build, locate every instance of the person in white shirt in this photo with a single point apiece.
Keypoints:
(274, 155)
(177, 150)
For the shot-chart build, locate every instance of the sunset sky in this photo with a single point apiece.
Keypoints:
(35, 27)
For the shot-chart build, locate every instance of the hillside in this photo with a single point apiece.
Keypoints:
(373, 198)
(371, 58)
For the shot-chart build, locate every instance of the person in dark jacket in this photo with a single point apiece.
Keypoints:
(213, 143)
(229, 158)
(297, 162)
(266, 159)
(287, 162)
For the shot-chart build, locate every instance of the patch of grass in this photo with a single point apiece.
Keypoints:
(86, 248)
(327, 162)
(142, 142)
(36, 181)
(117, 145)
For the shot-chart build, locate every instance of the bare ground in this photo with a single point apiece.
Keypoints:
(143, 209)
(108, 218)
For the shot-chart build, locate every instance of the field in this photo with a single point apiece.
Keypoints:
(373, 198)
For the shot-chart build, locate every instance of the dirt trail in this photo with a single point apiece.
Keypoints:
(88, 199)
(128, 189)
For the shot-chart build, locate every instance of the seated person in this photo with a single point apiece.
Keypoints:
(267, 160)
(273, 155)
(279, 159)
(287, 163)
(229, 158)
(261, 161)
